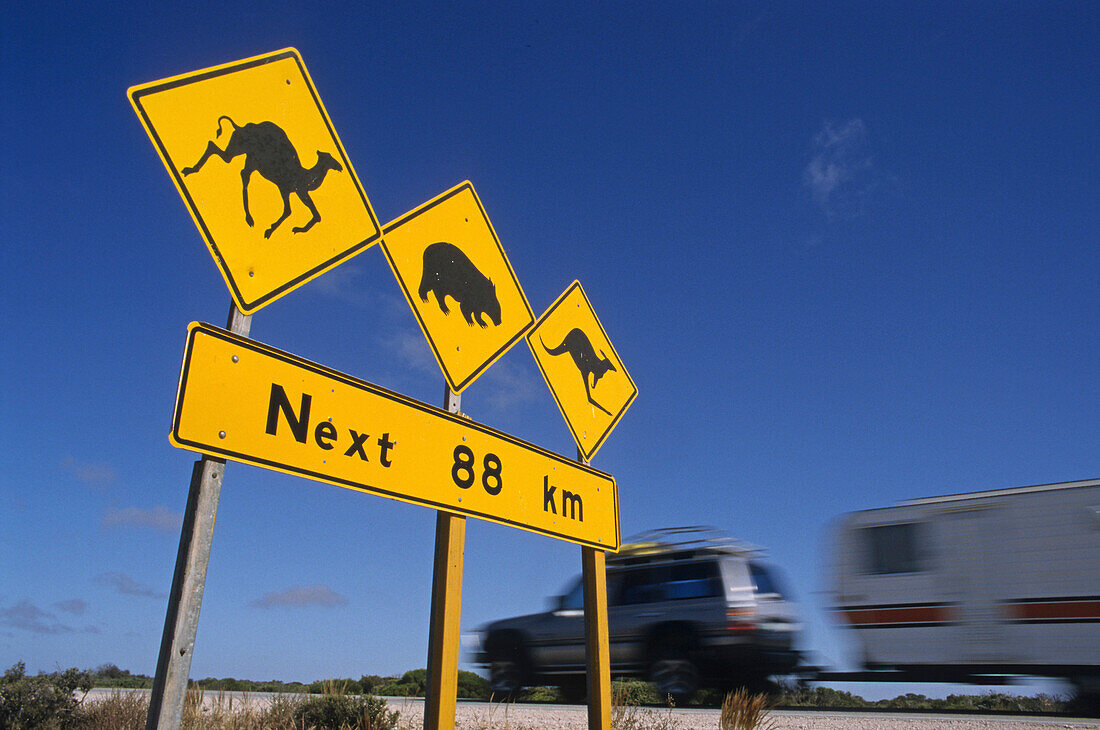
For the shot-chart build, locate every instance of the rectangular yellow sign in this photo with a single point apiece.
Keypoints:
(242, 400)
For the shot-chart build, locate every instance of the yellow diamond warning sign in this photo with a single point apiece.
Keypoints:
(582, 369)
(258, 163)
(458, 281)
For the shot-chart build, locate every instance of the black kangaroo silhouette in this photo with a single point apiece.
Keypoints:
(269, 152)
(577, 344)
(448, 271)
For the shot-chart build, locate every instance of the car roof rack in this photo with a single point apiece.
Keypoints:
(682, 543)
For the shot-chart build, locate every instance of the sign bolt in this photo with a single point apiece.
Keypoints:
(221, 434)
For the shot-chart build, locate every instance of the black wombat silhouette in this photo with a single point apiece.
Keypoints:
(577, 344)
(449, 272)
(269, 152)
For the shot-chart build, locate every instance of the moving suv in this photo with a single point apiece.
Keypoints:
(687, 607)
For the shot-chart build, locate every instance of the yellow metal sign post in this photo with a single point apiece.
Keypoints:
(444, 630)
(589, 381)
(457, 279)
(597, 637)
(298, 417)
(258, 163)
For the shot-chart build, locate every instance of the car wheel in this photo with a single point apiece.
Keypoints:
(573, 691)
(507, 671)
(672, 672)
(505, 677)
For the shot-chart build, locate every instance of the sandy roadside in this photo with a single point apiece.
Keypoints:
(503, 716)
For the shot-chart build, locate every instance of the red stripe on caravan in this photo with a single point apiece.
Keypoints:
(1049, 610)
(899, 615)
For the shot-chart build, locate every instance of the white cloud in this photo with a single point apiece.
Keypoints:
(126, 585)
(511, 386)
(413, 350)
(340, 284)
(73, 606)
(28, 617)
(96, 475)
(839, 173)
(300, 597)
(159, 518)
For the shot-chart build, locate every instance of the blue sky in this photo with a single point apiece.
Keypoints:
(847, 251)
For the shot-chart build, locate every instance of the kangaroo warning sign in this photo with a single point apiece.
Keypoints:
(458, 281)
(582, 369)
(301, 418)
(258, 163)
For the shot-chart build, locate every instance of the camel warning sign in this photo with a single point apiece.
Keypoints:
(582, 369)
(258, 163)
(298, 417)
(458, 281)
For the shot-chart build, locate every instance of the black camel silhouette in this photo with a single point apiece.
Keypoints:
(577, 344)
(269, 152)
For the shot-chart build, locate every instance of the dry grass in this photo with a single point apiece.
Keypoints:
(626, 714)
(121, 710)
(127, 711)
(744, 711)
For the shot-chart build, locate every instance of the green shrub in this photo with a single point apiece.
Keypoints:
(822, 697)
(414, 683)
(473, 686)
(337, 712)
(370, 682)
(636, 692)
(541, 694)
(396, 689)
(46, 701)
(416, 677)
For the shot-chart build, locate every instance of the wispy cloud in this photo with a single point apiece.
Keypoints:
(413, 350)
(840, 172)
(159, 518)
(300, 597)
(95, 475)
(126, 585)
(28, 617)
(511, 386)
(73, 605)
(340, 285)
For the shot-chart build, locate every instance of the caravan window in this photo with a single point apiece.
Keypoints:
(894, 548)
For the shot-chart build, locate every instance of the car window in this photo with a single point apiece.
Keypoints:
(574, 598)
(668, 583)
(694, 580)
(764, 581)
(641, 585)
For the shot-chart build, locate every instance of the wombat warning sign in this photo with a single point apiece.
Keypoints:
(458, 281)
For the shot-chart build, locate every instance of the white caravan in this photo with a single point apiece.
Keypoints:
(966, 587)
